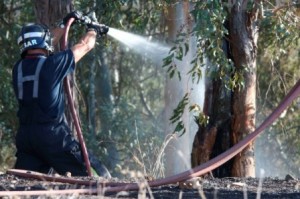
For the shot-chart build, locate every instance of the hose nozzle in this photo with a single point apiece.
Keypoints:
(91, 21)
(103, 29)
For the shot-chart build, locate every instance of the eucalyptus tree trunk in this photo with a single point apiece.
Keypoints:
(243, 32)
(173, 92)
(214, 138)
(178, 150)
(50, 12)
(232, 114)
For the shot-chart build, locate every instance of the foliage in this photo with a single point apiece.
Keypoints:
(177, 114)
(278, 32)
(212, 15)
(210, 30)
(200, 118)
(135, 130)
(11, 19)
(137, 141)
(278, 71)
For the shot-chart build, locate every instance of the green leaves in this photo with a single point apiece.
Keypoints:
(200, 118)
(172, 67)
(211, 32)
(177, 114)
(196, 71)
(176, 54)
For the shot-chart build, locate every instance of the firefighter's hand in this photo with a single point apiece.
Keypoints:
(100, 29)
(77, 15)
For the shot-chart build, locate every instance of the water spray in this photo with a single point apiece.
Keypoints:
(141, 45)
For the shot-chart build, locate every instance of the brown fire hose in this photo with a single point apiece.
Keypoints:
(224, 157)
(197, 171)
(64, 43)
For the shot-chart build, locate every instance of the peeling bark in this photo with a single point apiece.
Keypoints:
(243, 35)
(49, 12)
(232, 115)
(214, 138)
(203, 145)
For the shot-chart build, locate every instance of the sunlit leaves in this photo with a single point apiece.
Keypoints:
(210, 32)
(278, 31)
(237, 81)
(196, 71)
(200, 118)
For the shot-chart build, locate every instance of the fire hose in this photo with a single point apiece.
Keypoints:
(194, 172)
(67, 87)
(225, 156)
(71, 103)
(197, 171)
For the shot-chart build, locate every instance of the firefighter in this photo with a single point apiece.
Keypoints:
(44, 140)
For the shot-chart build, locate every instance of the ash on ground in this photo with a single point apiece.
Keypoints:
(206, 188)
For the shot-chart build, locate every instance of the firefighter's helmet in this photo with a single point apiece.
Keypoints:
(33, 36)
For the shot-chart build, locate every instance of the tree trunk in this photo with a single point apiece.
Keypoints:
(105, 107)
(232, 114)
(173, 90)
(213, 139)
(178, 149)
(243, 36)
(49, 12)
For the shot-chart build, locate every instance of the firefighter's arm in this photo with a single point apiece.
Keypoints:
(85, 44)
(58, 32)
(88, 41)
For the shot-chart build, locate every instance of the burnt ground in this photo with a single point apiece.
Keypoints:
(208, 188)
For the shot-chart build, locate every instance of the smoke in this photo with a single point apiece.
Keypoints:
(181, 146)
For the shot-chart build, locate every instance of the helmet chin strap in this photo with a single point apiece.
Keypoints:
(38, 51)
(47, 37)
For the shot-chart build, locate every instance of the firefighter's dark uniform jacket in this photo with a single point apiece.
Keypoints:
(44, 139)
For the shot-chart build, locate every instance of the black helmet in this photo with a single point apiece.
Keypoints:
(34, 36)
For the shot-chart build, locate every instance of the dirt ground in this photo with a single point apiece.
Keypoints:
(205, 188)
